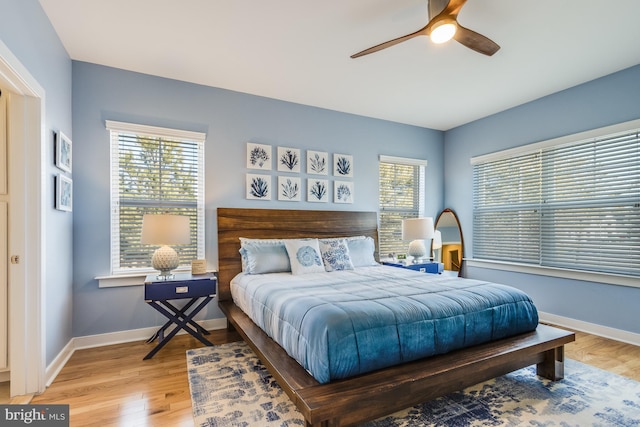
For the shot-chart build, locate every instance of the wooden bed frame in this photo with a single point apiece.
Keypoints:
(369, 396)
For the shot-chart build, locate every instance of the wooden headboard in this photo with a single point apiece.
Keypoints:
(234, 223)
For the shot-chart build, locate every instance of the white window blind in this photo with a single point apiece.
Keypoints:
(154, 170)
(506, 224)
(573, 206)
(401, 196)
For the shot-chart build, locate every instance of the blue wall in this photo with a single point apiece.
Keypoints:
(230, 120)
(75, 306)
(29, 35)
(605, 101)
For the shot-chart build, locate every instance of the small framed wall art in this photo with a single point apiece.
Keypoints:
(317, 190)
(258, 156)
(288, 159)
(64, 193)
(317, 162)
(63, 152)
(289, 189)
(343, 165)
(343, 192)
(258, 187)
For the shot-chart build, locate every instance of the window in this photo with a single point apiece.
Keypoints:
(153, 170)
(570, 205)
(401, 196)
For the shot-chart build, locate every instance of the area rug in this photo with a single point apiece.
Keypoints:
(231, 388)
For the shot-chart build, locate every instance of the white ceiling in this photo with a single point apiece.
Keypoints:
(298, 51)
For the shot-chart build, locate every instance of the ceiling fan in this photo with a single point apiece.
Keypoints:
(443, 26)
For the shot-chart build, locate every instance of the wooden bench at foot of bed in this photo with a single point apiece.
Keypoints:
(366, 397)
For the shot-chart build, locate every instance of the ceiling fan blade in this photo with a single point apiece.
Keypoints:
(475, 41)
(443, 7)
(435, 7)
(390, 43)
(441, 12)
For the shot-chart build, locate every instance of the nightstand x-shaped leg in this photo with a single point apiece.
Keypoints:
(181, 319)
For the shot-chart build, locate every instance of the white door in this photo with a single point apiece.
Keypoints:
(4, 332)
(4, 236)
(27, 143)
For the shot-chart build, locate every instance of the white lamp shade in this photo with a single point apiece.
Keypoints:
(165, 229)
(417, 228)
(437, 240)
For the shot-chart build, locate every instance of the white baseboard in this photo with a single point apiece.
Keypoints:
(100, 340)
(5, 376)
(58, 363)
(120, 337)
(591, 328)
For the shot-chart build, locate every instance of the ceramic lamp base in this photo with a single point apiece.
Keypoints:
(165, 259)
(417, 250)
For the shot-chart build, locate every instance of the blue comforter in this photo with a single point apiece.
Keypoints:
(346, 323)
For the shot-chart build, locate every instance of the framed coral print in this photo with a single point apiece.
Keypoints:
(289, 189)
(343, 192)
(64, 193)
(63, 151)
(343, 165)
(317, 190)
(258, 187)
(258, 156)
(288, 159)
(317, 162)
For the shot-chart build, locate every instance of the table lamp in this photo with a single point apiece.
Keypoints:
(417, 230)
(436, 244)
(165, 230)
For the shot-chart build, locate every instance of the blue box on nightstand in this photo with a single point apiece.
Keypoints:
(425, 267)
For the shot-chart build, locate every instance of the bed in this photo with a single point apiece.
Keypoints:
(367, 395)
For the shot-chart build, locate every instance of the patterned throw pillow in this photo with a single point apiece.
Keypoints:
(304, 256)
(335, 254)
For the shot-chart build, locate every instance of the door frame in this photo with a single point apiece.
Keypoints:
(26, 142)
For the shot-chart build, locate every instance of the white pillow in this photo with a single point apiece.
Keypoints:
(335, 254)
(261, 256)
(361, 252)
(304, 256)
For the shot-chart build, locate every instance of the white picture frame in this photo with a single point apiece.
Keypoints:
(343, 165)
(289, 188)
(317, 190)
(64, 193)
(258, 187)
(343, 192)
(259, 156)
(63, 152)
(317, 162)
(289, 159)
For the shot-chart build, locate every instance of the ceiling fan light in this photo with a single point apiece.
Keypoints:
(443, 31)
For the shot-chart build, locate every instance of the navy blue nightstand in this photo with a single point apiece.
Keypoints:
(157, 294)
(424, 267)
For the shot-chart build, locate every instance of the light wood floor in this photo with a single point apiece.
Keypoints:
(4, 393)
(113, 386)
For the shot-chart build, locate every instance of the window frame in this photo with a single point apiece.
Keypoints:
(417, 211)
(131, 276)
(584, 138)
